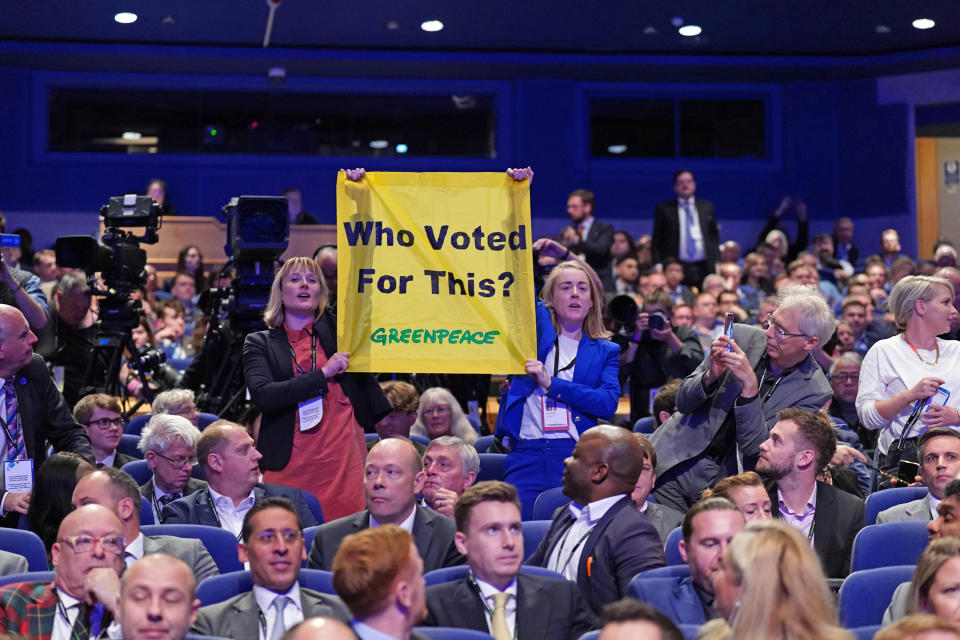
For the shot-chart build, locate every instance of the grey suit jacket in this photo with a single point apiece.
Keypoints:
(898, 604)
(238, 617)
(189, 550)
(914, 510)
(688, 432)
(432, 535)
(547, 608)
(11, 563)
(664, 519)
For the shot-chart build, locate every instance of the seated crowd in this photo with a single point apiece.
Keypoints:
(689, 453)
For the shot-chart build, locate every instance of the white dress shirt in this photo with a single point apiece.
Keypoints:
(692, 232)
(231, 517)
(292, 612)
(487, 591)
(406, 525)
(565, 558)
(134, 550)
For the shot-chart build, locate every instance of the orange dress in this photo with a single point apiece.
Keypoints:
(326, 460)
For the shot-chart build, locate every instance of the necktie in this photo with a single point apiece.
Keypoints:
(499, 620)
(278, 603)
(81, 626)
(165, 500)
(16, 450)
(580, 229)
(691, 248)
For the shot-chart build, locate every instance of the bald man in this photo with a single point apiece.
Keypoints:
(600, 541)
(393, 476)
(319, 628)
(157, 599)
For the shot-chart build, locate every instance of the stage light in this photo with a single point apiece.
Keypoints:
(379, 144)
(690, 30)
(401, 148)
(431, 25)
(617, 148)
(125, 17)
(924, 23)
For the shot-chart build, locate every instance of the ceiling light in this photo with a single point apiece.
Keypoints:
(617, 148)
(650, 31)
(132, 135)
(882, 28)
(379, 144)
(401, 148)
(393, 25)
(690, 30)
(125, 17)
(923, 23)
(431, 25)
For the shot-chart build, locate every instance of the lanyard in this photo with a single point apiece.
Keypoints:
(313, 355)
(483, 602)
(6, 432)
(574, 550)
(556, 358)
(812, 525)
(763, 376)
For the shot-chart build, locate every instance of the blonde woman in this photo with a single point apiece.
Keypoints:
(936, 581)
(314, 413)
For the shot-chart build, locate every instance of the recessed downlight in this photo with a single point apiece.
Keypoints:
(617, 149)
(690, 30)
(401, 148)
(379, 144)
(431, 25)
(132, 135)
(125, 17)
(924, 23)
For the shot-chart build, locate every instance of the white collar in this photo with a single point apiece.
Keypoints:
(265, 597)
(487, 590)
(406, 525)
(595, 510)
(135, 548)
(225, 502)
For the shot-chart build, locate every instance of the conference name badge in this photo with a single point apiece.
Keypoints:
(556, 415)
(311, 412)
(18, 476)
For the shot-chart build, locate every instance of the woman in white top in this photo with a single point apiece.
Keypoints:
(900, 372)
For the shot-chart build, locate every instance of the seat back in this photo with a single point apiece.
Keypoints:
(483, 444)
(889, 544)
(451, 633)
(30, 576)
(644, 425)
(882, 500)
(450, 574)
(534, 532)
(137, 423)
(309, 533)
(865, 594)
(221, 544)
(27, 544)
(139, 470)
(313, 504)
(147, 515)
(491, 466)
(669, 571)
(128, 445)
(547, 502)
(671, 549)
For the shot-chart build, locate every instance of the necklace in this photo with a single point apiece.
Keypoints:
(936, 346)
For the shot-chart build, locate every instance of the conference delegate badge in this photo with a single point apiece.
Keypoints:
(556, 416)
(18, 476)
(311, 413)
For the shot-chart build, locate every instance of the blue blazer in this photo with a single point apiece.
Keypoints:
(673, 597)
(592, 395)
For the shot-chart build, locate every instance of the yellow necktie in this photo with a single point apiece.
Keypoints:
(500, 629)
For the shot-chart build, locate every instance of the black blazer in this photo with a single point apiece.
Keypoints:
(621, 545)
(596, 251)
(666, 231)
(273, 388)
(547, 608)
(195, 508)
(45, 416)
(839, 517)
(432, 535)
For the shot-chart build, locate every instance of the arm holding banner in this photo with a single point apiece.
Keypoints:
(268, 391)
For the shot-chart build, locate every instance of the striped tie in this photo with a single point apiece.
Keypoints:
(16, 448)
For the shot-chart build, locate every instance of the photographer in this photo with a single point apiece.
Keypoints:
(657, 352)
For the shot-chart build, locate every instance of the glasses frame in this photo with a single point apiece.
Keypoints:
(782, 335)
(71, 541)
(111, 422)
(192, 460)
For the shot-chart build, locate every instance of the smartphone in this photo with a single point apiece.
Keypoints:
(728, 319)
(939, 398)
(907, 472)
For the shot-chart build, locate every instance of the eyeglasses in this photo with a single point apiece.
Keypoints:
(845, 377)
(440, 409)
(106, 423)
(289, 536)
(780, 333)
(179, 461)
(84, 543)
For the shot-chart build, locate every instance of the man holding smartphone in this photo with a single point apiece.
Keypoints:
(939, 450)
(657, 352)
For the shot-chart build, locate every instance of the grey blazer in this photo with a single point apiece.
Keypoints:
(664, 519)
(898, 604)
(432, 535)
(914, 510)
(11, 563)
(238, 618)
(189, 550)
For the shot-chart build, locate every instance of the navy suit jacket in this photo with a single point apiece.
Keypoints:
(666, 231)
(675, 597)
(621, 545)
(547, 608)
(592, 395)
(195, 508)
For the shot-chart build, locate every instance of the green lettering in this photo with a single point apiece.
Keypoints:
(466, 337)
(455, 336)
(429, 336)
(405, 336)
(489, 335)
(379, 336)
(478, 337)
(417, 336)
(442, 335)
(393, 336)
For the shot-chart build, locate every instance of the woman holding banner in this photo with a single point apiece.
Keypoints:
(314, 414)
(569, 387)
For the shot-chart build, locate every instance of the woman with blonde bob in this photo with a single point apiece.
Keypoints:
(439, 414)
(933, 588)
(771, 587)
(569, 387)
(899, 372)
(745, 490)
(314, 413)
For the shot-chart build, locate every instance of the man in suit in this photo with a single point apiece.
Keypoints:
(708, 528)
(588, 237)
(88, 557)
(630, 619)
(663, 518)
(727, 406)
(600, 541)
(800, 446)
(393, 476)
(273, 545)
(35, 411)
(229, 461)
(169, 445)
(379, 575)
(533, 607)
(157, 599)
(450, 465)
(116, 490)
(102, 420)
(686, 228)
(939, 449)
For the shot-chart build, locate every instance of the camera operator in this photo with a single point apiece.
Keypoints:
(657, 352)
(21, 289)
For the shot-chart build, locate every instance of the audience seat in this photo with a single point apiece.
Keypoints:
(644, 425)
(138, 422)
(371, 437)
(669, 571)
(309, 533)
(590, 635)
(865, 594)
(128, 445)
(450, 574)
(889, 544)
(547, 502)
(140, 471)
(313, 504)
(221, 544)
(491, 466)
(884, 499)
(30, 576)
(223, 587)
(451, 633)
(671, 548)
(483, 444)
(147, 516)
(534, 531)
(424, 440)
(27, 544)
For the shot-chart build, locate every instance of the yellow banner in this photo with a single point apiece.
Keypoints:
(435, 273)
